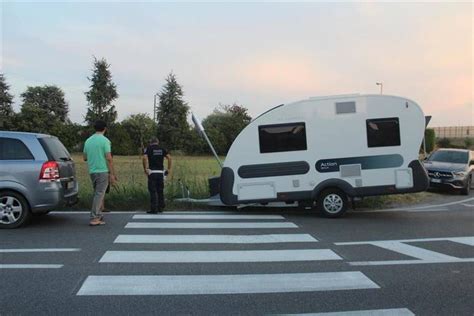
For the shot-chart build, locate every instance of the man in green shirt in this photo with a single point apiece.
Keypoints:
(97, 153)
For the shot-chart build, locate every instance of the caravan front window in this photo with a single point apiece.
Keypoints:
(282, 137)
(383, 132)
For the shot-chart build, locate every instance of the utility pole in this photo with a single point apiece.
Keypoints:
(381, 86)
(155, 107)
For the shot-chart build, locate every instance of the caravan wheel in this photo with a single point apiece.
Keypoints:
(332, 203)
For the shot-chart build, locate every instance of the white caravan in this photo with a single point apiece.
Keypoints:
(325, 150)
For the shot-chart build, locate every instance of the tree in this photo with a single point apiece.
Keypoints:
(101, 94)
(224, 124)
(122, 144)
(6, 109)
(173, 128)
(430, 139)
(141, 129)
(49, 99)
(44, 110)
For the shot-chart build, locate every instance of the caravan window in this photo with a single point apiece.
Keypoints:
(383, 132)
(282, 137)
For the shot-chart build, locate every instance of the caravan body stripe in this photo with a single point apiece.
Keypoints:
(366, 162)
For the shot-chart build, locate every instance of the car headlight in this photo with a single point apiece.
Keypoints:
(460, 173)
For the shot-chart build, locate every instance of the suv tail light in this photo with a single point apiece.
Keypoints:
(49, 171)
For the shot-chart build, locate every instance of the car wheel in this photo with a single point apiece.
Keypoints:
(14, 210)
(332, 203)
(465, 190)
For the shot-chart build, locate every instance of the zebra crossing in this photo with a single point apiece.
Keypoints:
(220, 229)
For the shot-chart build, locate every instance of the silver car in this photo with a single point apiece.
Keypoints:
(450, 168)
(37, 175)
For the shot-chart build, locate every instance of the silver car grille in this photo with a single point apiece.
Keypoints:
(440, 174)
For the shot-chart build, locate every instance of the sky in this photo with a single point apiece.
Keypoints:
(254, 54)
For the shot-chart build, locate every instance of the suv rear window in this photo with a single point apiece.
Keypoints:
(14, 149)
(54, 149)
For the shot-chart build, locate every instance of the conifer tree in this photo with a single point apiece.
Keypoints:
(101, 94)
(6, 108)
(173, 128)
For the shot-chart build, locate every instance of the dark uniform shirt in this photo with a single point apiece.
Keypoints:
(155, 155)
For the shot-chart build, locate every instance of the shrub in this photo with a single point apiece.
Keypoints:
(430, 139)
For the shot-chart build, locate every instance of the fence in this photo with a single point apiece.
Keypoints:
(454, 132)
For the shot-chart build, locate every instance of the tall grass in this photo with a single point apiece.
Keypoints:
(131, 191)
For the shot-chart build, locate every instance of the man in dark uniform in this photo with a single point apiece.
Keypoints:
(153, 166)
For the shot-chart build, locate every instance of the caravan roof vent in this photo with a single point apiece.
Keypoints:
(345, 107)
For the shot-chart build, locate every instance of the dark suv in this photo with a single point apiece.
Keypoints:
(451, 168)
(37, 174)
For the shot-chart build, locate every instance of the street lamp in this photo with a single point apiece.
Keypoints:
(381, 86)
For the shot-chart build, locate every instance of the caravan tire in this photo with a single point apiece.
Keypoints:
(332, 203)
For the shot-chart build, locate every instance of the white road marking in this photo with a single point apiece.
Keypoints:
(224, 284)
(423, 256)
(31, 266)
(88, 212)
(463, 240)
(424, 208)
(143, 212)
(468, 240)
(372, 312)
(413, 251)
(219, 256)
(207, 216)
(468, 205)
(210, 225)
(213, 239)
(201, 212)
(441, 205)
(39, 250)
(402, 262)
(407, 210)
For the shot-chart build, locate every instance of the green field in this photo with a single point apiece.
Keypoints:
(131, 191)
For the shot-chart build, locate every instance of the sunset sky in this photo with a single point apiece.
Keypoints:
(255, 54)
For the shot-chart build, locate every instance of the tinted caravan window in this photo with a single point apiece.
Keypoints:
(282, 137)
(14, 149)
(383, 132)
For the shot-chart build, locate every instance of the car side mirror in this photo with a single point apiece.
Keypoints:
(471, 163)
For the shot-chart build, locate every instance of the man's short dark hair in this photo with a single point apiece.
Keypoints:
(154, 140)
(100, 125)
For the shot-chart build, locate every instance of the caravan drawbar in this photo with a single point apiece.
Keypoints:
(325, 150)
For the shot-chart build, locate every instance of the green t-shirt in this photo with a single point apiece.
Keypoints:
(95, 149)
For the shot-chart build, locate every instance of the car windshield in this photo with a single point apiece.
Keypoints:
(449, 156)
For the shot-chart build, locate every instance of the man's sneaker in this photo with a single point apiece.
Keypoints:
(96, 222)
(151, 212)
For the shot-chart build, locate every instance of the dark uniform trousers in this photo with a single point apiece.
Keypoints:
(155, 187)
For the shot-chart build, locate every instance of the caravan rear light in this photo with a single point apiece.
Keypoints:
(49, 171)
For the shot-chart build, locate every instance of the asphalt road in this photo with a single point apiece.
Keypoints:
(395, 262)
